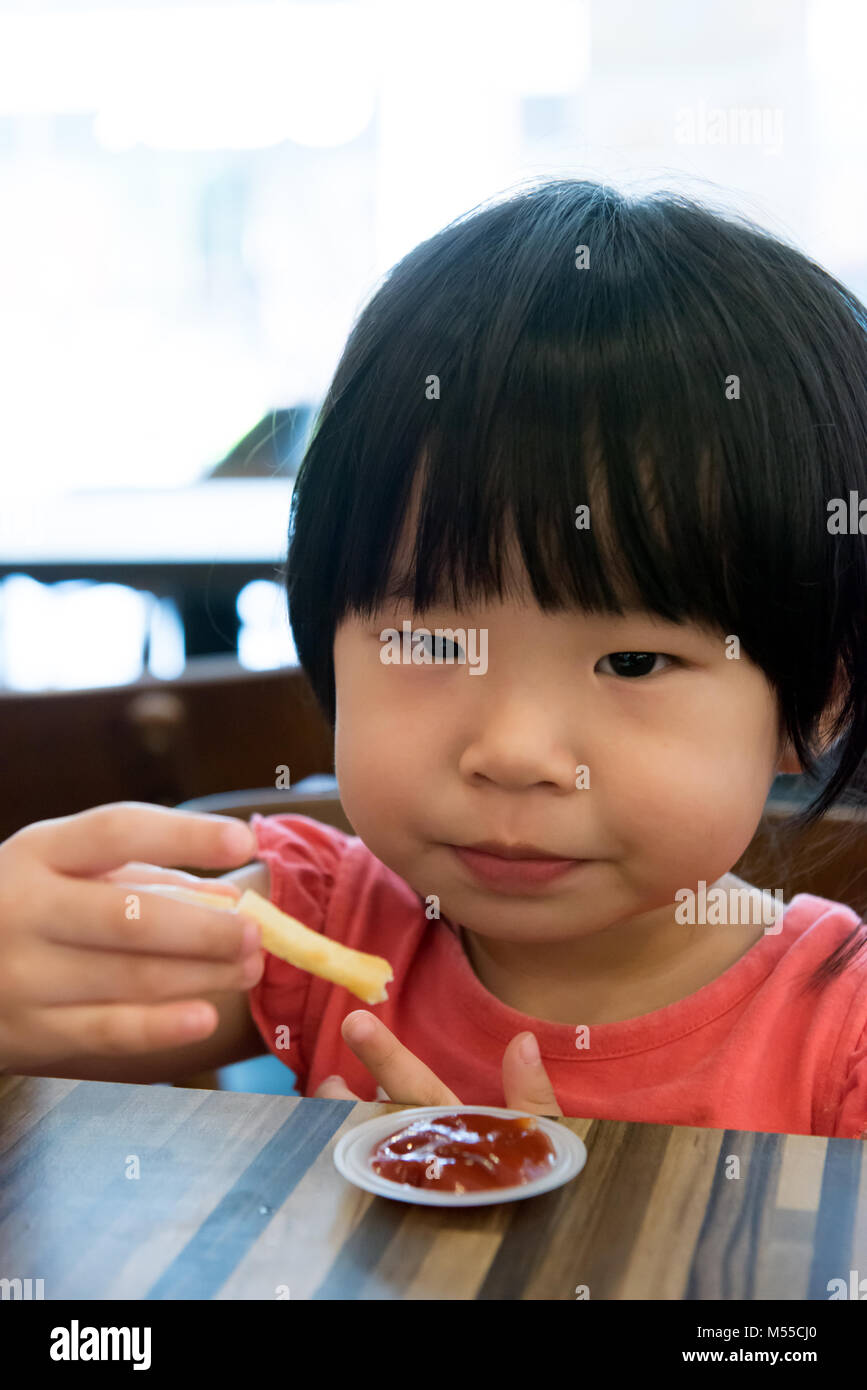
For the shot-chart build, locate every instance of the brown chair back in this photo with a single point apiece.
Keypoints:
(828, 859)
(315, 796)
(217, 725)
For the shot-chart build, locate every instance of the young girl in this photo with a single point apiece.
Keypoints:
(568, 575)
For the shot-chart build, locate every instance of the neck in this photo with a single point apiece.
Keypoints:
(627, 969)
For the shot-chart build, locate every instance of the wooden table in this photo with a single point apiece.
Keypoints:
(238, 1198)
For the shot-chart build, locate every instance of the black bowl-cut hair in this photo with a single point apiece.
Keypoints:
(696, 381)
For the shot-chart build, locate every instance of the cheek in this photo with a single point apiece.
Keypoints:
(690, 794)
(380, 751)
(379, 791)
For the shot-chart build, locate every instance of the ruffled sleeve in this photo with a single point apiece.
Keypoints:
(303, 856)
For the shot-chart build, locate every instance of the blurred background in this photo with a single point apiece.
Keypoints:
(196, 200)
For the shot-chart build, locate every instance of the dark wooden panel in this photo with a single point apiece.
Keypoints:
(216, 728)
(829, 859)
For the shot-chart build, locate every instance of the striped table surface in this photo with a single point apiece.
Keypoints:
(110, 1190)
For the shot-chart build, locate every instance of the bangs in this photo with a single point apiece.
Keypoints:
(607, 515)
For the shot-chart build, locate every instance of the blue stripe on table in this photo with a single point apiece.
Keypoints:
(225, 1236)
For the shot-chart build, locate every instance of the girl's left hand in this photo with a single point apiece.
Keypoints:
(403, 1079)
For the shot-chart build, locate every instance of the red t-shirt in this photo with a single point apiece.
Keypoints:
(747, 1051)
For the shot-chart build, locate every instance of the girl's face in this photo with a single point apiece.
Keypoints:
(679, 760)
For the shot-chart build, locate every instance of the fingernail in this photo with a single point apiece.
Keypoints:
(530, 1049)
(195, 1018)
(361, 1028)
(252, 969)
(237, 838)
(250, 939)
(338, 1079)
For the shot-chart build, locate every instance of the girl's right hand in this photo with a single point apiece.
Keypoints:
(87, 970)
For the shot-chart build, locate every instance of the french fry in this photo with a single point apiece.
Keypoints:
(364, 975)
(284, 936)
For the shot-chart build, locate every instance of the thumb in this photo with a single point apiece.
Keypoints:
(526, 1083)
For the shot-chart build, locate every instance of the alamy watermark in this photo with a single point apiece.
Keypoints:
(22, 1288)
(732, 906)
(761, 126)
(847, 519)
(422, 647)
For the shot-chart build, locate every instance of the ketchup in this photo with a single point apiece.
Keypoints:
(465, 1153)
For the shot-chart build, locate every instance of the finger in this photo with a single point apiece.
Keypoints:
(95, 841)
(111, 917)
(334, 1088)
(49, 1035)
(153, 873)
(405, 1078)
(526, 1084)
(57, 974)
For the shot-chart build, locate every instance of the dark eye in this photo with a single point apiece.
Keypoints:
(632, 664)
(439, 648)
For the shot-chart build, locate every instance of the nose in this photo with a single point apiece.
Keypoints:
(518, 744)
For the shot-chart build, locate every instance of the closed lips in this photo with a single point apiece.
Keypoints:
(513, 851)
